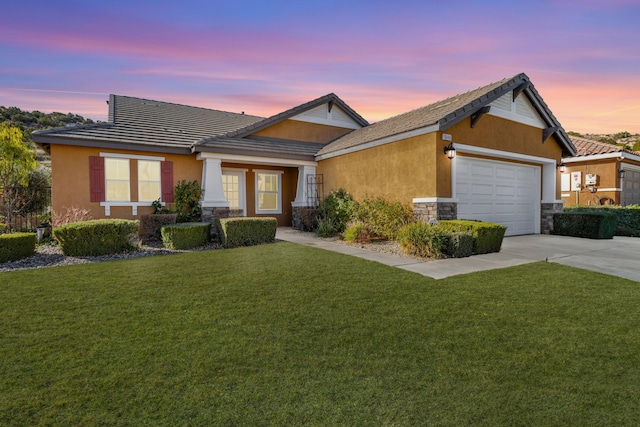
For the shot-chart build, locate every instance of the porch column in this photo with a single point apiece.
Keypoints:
(213, 193)
(303, 199)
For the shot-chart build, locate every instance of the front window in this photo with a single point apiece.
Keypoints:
(117, 180)
(268, 192)
(148, 180)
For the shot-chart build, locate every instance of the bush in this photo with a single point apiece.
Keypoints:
(336, 211)
(589, 224)
(422, 239)
(73, 214)
(310, 219)
(96, 237)
(628, 217)
(357, 232)
(487, 236)
(17, 246)
(187, 201)
(460, 245)
(185, 235)
(383, 217)
(3, 228)
(247, 231)
(150, 225)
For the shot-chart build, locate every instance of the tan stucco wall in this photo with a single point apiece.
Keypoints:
(289, 184)
(70, 178)
(607, 171)
(501, 134)
(303, 131)
(397, 171)
(417, 167)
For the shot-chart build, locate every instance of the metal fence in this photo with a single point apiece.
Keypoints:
(24, 208)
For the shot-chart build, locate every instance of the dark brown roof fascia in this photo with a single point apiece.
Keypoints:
(43, 139)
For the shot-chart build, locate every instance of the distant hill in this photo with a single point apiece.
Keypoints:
(29, 121)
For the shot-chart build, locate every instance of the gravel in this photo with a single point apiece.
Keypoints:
(51, 256)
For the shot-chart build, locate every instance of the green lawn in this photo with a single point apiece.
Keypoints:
(284, 334)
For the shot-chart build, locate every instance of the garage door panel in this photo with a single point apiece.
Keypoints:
(505, 190)
(500, 192)
(481, 171)
(482, 189)
(508, 173)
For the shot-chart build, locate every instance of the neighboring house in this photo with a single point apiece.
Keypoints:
(600, 173)
(507, 142)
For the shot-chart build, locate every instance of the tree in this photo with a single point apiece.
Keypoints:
(17, 161)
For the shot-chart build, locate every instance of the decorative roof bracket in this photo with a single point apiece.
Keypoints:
(517, 91)
(547, 132)
(476, 116)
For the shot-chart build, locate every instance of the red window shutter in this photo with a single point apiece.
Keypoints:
(166, 181)
(96, 178)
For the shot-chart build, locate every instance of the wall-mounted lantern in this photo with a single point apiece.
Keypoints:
(621, 173)
(561, 167)
(450, 151)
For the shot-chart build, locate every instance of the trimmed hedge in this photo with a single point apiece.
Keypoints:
(151, 224)
(628, 217)
(248, 231)
(487, 236)
(589, 224)
(96, 237)
(185, 235)
(460, 245)
(16, 246)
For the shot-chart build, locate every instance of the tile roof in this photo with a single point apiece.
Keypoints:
(589, 147)
(261, 147)
(330, 98)
(443, 114)
(144, 122)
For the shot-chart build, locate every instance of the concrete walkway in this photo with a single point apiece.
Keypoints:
(619, 256)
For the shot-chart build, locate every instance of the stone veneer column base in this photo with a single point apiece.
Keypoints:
(546, 216)
(210, 215)
(297, 219)
(427, 211)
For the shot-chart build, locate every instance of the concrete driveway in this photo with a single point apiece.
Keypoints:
(619, 256)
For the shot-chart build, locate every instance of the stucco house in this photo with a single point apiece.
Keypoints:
(503, 141)
(600, 173)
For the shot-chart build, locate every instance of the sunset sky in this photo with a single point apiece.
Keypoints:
(381, 57)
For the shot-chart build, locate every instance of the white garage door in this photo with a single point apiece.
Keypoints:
(500, 192)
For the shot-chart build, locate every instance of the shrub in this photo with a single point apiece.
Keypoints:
(150, 225)
(589, 224)
(460, 245)
(384, 218)
(628, 217)
(247, 231)
(487, 236)
(185, 235)
(357, 232)
(71, 215)
(187, 201)
(17, 246)
(3, 228)
(422, 239)
(310, 219)
(96, 237)
(336, 211)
